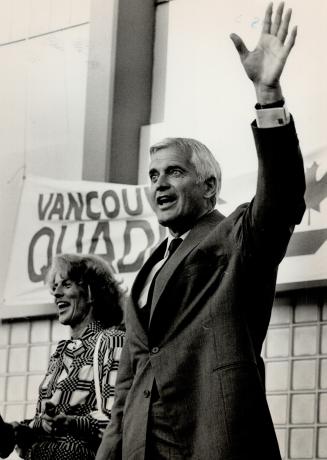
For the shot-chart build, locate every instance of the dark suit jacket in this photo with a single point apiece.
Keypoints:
(210, 313)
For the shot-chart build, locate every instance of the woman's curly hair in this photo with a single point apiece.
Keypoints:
(96, 277)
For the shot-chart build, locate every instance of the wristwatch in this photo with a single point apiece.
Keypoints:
(272, 105)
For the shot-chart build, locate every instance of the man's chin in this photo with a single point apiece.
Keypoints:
(171, 222)
(164, 219)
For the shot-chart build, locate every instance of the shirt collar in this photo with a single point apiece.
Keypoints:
(171, 237)
(183, 236)
(90, 330)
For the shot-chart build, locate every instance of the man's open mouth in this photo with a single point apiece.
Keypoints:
(165, 201)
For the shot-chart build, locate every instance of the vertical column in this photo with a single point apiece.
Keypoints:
(100, 87)
(119, 88)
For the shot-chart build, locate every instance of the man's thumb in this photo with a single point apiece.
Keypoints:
(239, 45)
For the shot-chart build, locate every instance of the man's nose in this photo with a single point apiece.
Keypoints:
(162, 182)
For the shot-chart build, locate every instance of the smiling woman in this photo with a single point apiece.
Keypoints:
(84, 290)
(71, 413)
(74, 307)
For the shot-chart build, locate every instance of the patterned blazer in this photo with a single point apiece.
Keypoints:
(69, 386)
(211, 308)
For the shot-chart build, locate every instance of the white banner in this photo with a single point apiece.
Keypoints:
(117, 222)
(111, 220)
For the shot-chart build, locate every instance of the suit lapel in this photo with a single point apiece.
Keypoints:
(138, 285)
(195, 236)
(143, 274)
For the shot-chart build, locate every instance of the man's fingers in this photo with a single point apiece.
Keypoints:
(291, 40)
(267, 19)
(283, 30)
(278, 19)
(239, 45)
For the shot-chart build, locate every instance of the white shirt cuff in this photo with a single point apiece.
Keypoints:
(270, 118)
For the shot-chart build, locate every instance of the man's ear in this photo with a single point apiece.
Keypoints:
(210, 185)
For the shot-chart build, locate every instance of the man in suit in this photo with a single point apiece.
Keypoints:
(191, 383)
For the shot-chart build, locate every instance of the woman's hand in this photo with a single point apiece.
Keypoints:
(62, 423)
(47, 423)
(59, 424)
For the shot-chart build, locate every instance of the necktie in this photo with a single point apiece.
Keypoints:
(171, 249)
(173, 246)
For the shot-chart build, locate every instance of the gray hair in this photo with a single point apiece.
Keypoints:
(199, 155)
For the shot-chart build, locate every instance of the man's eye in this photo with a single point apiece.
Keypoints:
(176, 172)
(154, 178)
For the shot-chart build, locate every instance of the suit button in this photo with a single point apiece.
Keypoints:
(155, 350)
(146, 393)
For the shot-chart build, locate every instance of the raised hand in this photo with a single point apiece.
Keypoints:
(264, 65)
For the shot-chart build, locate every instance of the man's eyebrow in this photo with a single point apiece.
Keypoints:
(168, 168)
(175, 165)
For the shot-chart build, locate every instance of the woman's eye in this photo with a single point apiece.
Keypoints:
(67, 284)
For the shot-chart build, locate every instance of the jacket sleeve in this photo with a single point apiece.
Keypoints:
(111, 444)
(278, 205)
